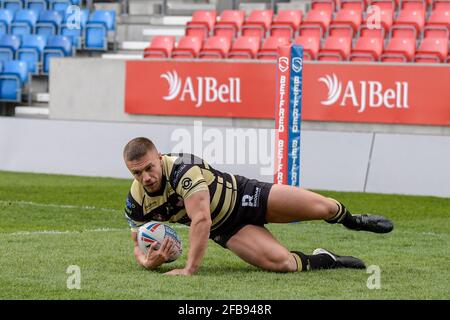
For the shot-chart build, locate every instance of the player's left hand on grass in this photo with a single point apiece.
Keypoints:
(182, 272)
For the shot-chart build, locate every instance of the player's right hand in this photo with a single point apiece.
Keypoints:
(156, 257)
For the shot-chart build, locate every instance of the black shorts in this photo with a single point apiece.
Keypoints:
(250, 208)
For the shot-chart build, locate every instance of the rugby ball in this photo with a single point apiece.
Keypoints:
(156, 232)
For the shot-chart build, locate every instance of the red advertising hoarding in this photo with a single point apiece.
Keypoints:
(346, 92)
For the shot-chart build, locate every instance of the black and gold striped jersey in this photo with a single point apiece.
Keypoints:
(182, 175)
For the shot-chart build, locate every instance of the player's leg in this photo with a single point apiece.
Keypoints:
(257, 246)
(288, 204)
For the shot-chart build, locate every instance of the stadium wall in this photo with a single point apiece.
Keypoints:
(371, 162)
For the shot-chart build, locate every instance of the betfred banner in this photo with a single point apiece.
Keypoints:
(288, 106)
(210, 89)
(344, 92)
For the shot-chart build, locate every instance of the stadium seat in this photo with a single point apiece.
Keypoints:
(441, 5)
(383, 17)
(438, 24)
(315, 31)
(49, 23)
(269, 49)
(73, 25)
(8, 47)
(245, 47)
(216, 47)
(335, 49)
(367, 49)
(13, 5)
(188, 47)
(160, 47)
(316, 18)
(346, 23)
(357, 5)
(311, 46)
(24, 22)
(62, 5)
(6, 17)
(409, 23)
(369, 32)
(324, 5)
(399, 50)
(413, 5)
(432, 50)
(31, 50)
(36, 5)
(57, 46)
(258, 23)
(12, 79)
(390, 5)
(230, 23)
(99, 24)
(201, 24)
(286, 23)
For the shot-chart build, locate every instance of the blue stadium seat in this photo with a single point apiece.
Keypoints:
(36, 5)
(8, 47)
(57, 46)
(62, 5)
(6, 17)
(31, 51)
(24, 22)
(96, 33)
(12, 5)
(12, 78)
(73, 26)
(48, 23)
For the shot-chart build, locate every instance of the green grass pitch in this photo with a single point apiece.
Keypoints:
(50, 222)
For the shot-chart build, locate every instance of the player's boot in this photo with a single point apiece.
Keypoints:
(341, 261)
(369, 222)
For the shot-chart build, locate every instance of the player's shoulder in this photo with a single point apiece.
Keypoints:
(177, 165)
(137, 190)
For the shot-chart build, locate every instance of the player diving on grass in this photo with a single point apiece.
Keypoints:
(229, 209)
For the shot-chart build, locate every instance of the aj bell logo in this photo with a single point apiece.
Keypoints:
(202, 89)
(365, 94)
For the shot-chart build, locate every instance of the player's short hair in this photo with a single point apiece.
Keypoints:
(137, 148)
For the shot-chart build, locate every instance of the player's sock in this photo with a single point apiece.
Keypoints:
(307, 262)
(366, 222)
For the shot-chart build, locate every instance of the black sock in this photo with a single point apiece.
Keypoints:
(342, 216)
(313, 262)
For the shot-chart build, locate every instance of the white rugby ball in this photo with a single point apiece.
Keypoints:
(155, 231)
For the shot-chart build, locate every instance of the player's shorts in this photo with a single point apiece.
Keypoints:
(250, 208)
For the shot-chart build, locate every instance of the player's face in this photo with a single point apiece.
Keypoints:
(147, 170)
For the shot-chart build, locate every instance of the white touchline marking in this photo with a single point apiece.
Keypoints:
(54, 205)
(27, 233)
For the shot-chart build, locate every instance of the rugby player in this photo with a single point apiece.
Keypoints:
(229, 209)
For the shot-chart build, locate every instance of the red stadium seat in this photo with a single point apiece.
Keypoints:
(311, 46)
(383, 17)
(432, 49)
(188, 47)
(412, 20)
(317, 18)
(345, 23)
(438, 24)
(311, 31)
(384, 4)
(367, 49)
(324, 5)
(357, 5)
(269, 49)
(257, 23)
(201, 24)
(335, 49)
(399, 50)
(230, 23)
(286, 23)
(413, 5)
(369, 32)
(160, 47)
(216, 47)
(245, 47)
(442, 5)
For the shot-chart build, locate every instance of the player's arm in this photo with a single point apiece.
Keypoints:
(198, 210)
(153, 258)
